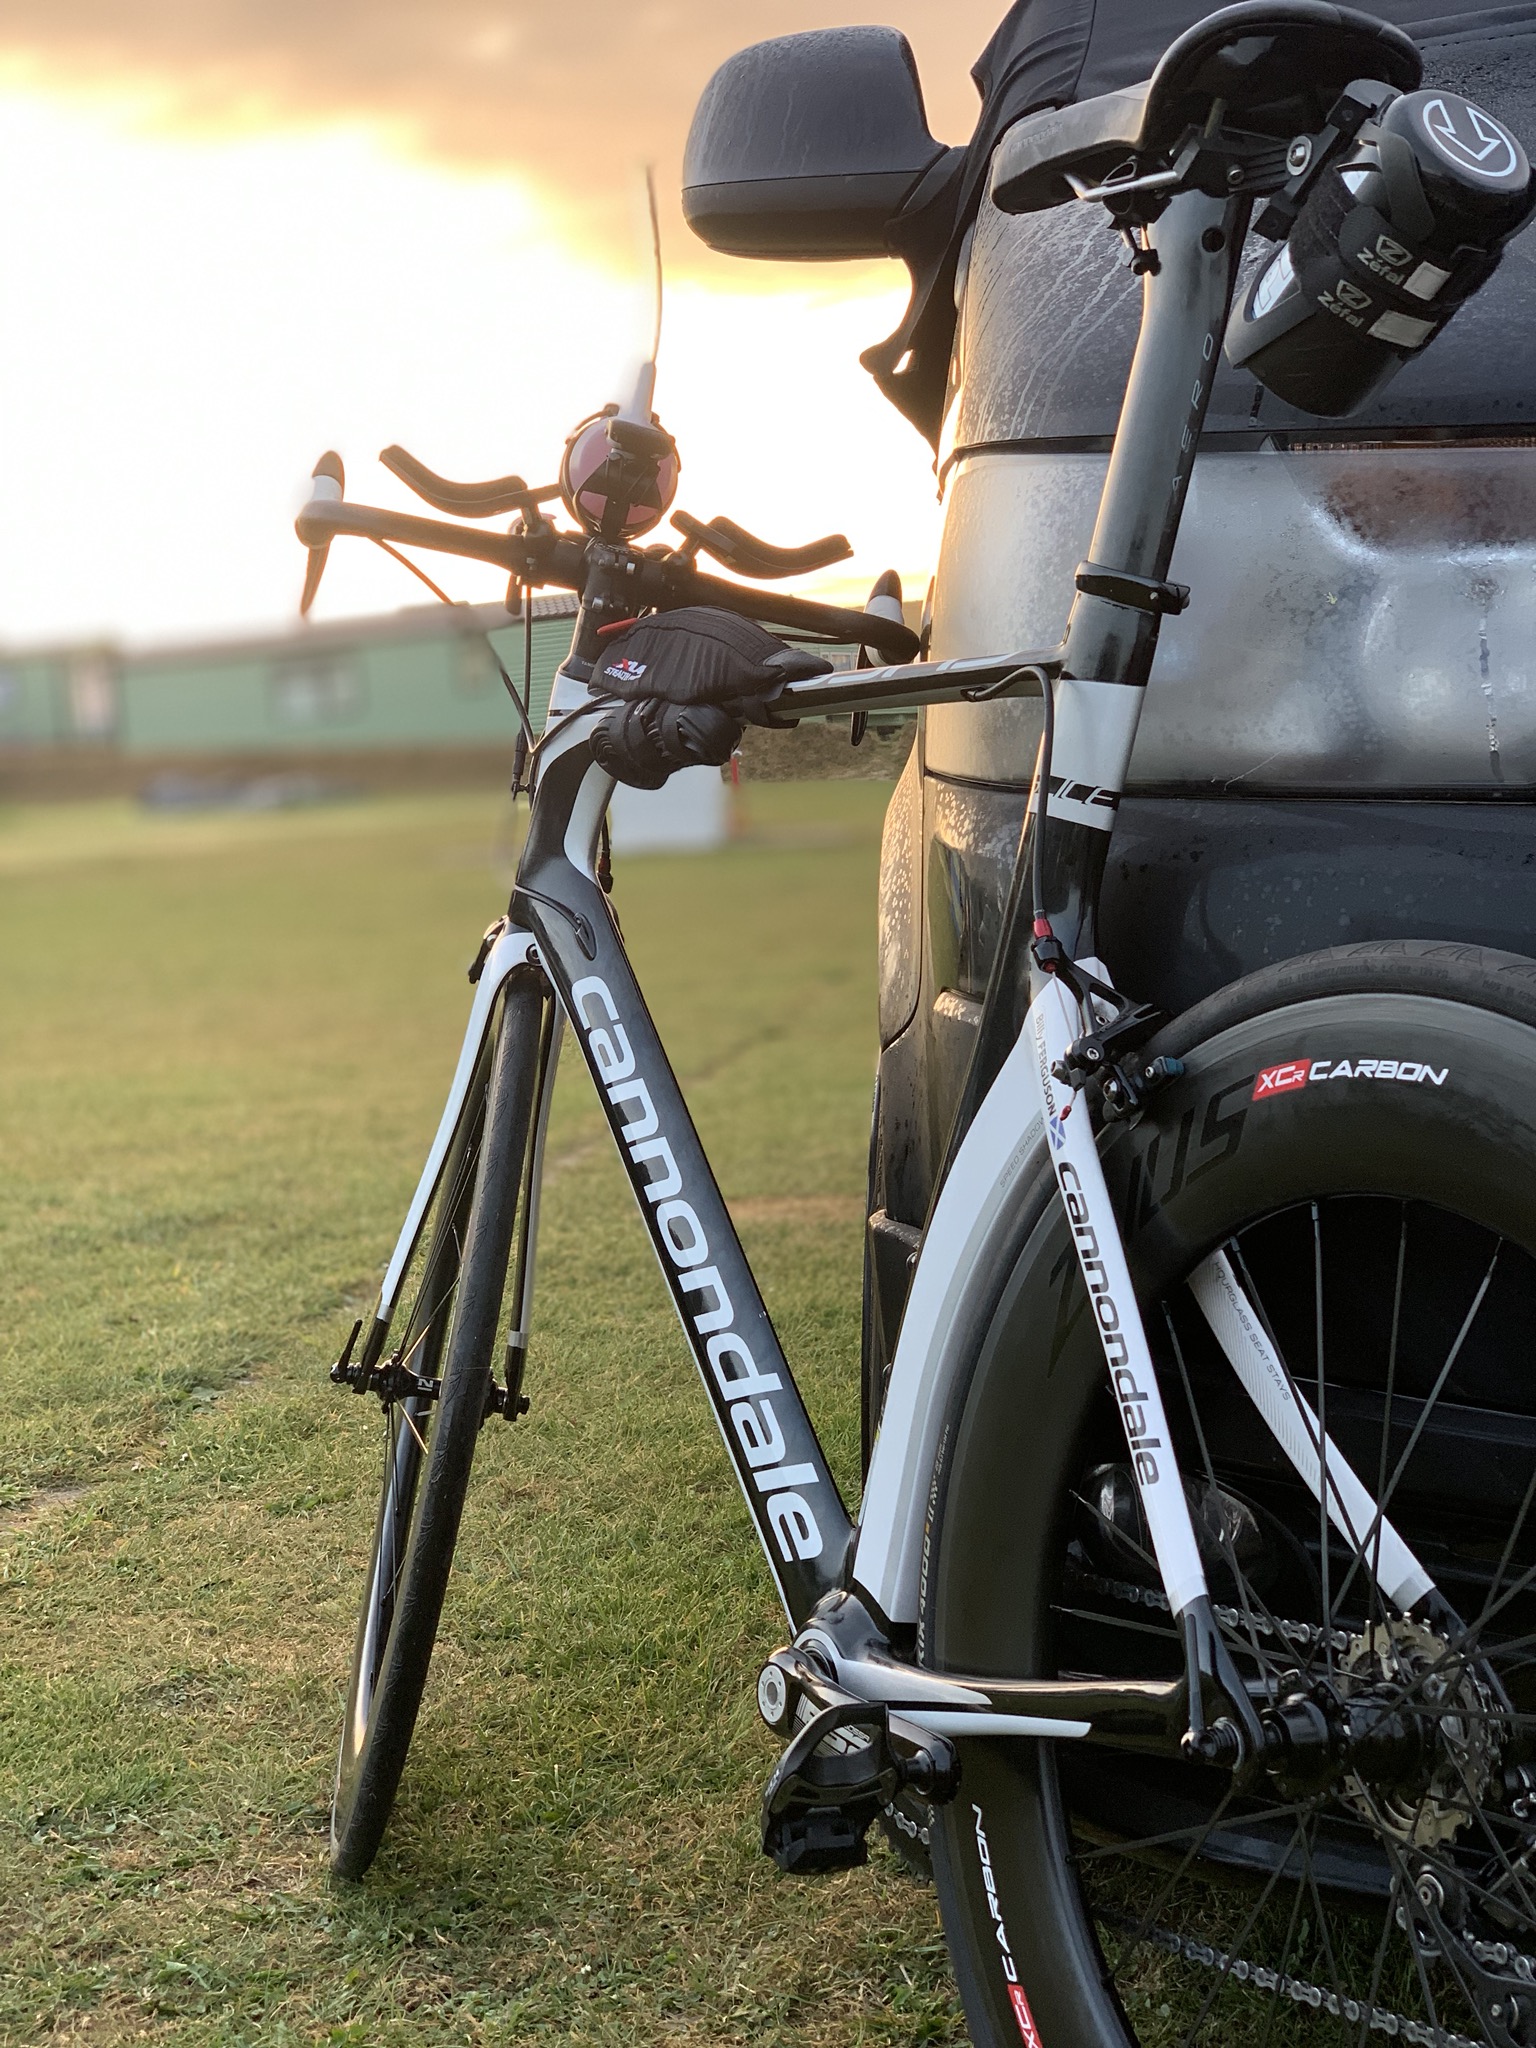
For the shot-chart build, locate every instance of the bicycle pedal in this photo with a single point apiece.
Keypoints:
(828, 1786)
(846, 1763)
(819, 1838)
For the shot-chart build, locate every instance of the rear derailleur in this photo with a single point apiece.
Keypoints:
(1495, 1977)
(847, 1760)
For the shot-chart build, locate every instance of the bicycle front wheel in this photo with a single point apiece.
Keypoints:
(449, 1335)
(1357, 1132)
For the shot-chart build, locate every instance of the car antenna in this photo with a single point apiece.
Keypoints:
(638, 405)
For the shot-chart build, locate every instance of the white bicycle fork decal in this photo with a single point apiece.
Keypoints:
(1054, 1022)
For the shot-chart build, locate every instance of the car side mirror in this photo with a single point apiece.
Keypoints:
(805, 148)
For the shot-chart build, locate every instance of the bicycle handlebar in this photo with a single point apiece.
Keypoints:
(468, 501)
(737, 549)
(565, 561)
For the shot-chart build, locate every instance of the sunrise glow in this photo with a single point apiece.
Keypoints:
(191, 319)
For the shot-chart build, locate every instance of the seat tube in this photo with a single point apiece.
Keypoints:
(1109, 645)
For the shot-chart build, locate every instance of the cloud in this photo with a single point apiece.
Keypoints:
(571, 93)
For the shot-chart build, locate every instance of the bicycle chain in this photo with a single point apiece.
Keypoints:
(1297, 1635)
(1380, 2019)
(1493, 1955)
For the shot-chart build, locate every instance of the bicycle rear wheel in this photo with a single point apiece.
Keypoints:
(449, 1335)
(1377, 1195)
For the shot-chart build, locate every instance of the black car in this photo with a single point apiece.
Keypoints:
(1340, 737)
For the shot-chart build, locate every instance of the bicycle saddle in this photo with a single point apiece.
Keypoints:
(1263, 69)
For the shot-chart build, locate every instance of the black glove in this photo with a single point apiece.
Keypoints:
(643, 743)
(690, 680)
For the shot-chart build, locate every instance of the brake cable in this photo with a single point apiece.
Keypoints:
(525, 739)
(1050, 954)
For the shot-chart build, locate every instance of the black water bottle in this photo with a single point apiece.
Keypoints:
(1393, 239)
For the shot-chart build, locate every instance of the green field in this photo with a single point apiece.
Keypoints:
(226, 1040)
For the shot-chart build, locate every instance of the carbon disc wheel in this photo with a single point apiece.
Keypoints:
(448, 1334)
(1358, 1133)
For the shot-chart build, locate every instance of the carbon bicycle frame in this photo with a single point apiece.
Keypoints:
(559, 920)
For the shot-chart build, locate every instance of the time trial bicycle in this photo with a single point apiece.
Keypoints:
(1189, 1617)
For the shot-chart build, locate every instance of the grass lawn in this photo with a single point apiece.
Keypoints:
(226, 1041)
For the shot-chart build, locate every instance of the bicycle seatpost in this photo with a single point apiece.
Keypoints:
(1122, 593)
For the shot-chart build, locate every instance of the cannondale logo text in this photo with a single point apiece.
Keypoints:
(706, 1306)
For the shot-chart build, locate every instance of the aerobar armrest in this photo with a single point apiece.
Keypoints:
(737, 549)
(464, 501)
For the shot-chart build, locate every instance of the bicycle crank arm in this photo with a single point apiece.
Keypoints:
(1148, 1717)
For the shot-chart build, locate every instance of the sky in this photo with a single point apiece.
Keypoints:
(239, 232)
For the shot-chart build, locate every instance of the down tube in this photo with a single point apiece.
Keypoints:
(800, 1518)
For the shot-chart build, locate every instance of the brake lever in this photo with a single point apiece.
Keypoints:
(737, 549)
(330, 487)
(466, 501)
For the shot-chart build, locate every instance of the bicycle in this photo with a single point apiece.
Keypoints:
(1155, 1627)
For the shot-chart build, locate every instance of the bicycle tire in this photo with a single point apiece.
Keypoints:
(1043, 1861)
(454, 1317)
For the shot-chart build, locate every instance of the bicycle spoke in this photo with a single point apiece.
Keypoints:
(1240, 1940)
(1508, 1551)
(1142, 1628)
(1467, 1637)
(1386, 1411)
(1143, 1554)
(1438, 1865)
(1314, 1428)
(1515, 1647)
(1479, 1817)
(1378, 1966)
(1324, 1543)
(1281, 1968)
(1203, 1829)
(1375, 1606)
(1150, 1916)
(1384, 1498)
(1310, 1873)
(1411, 1931)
